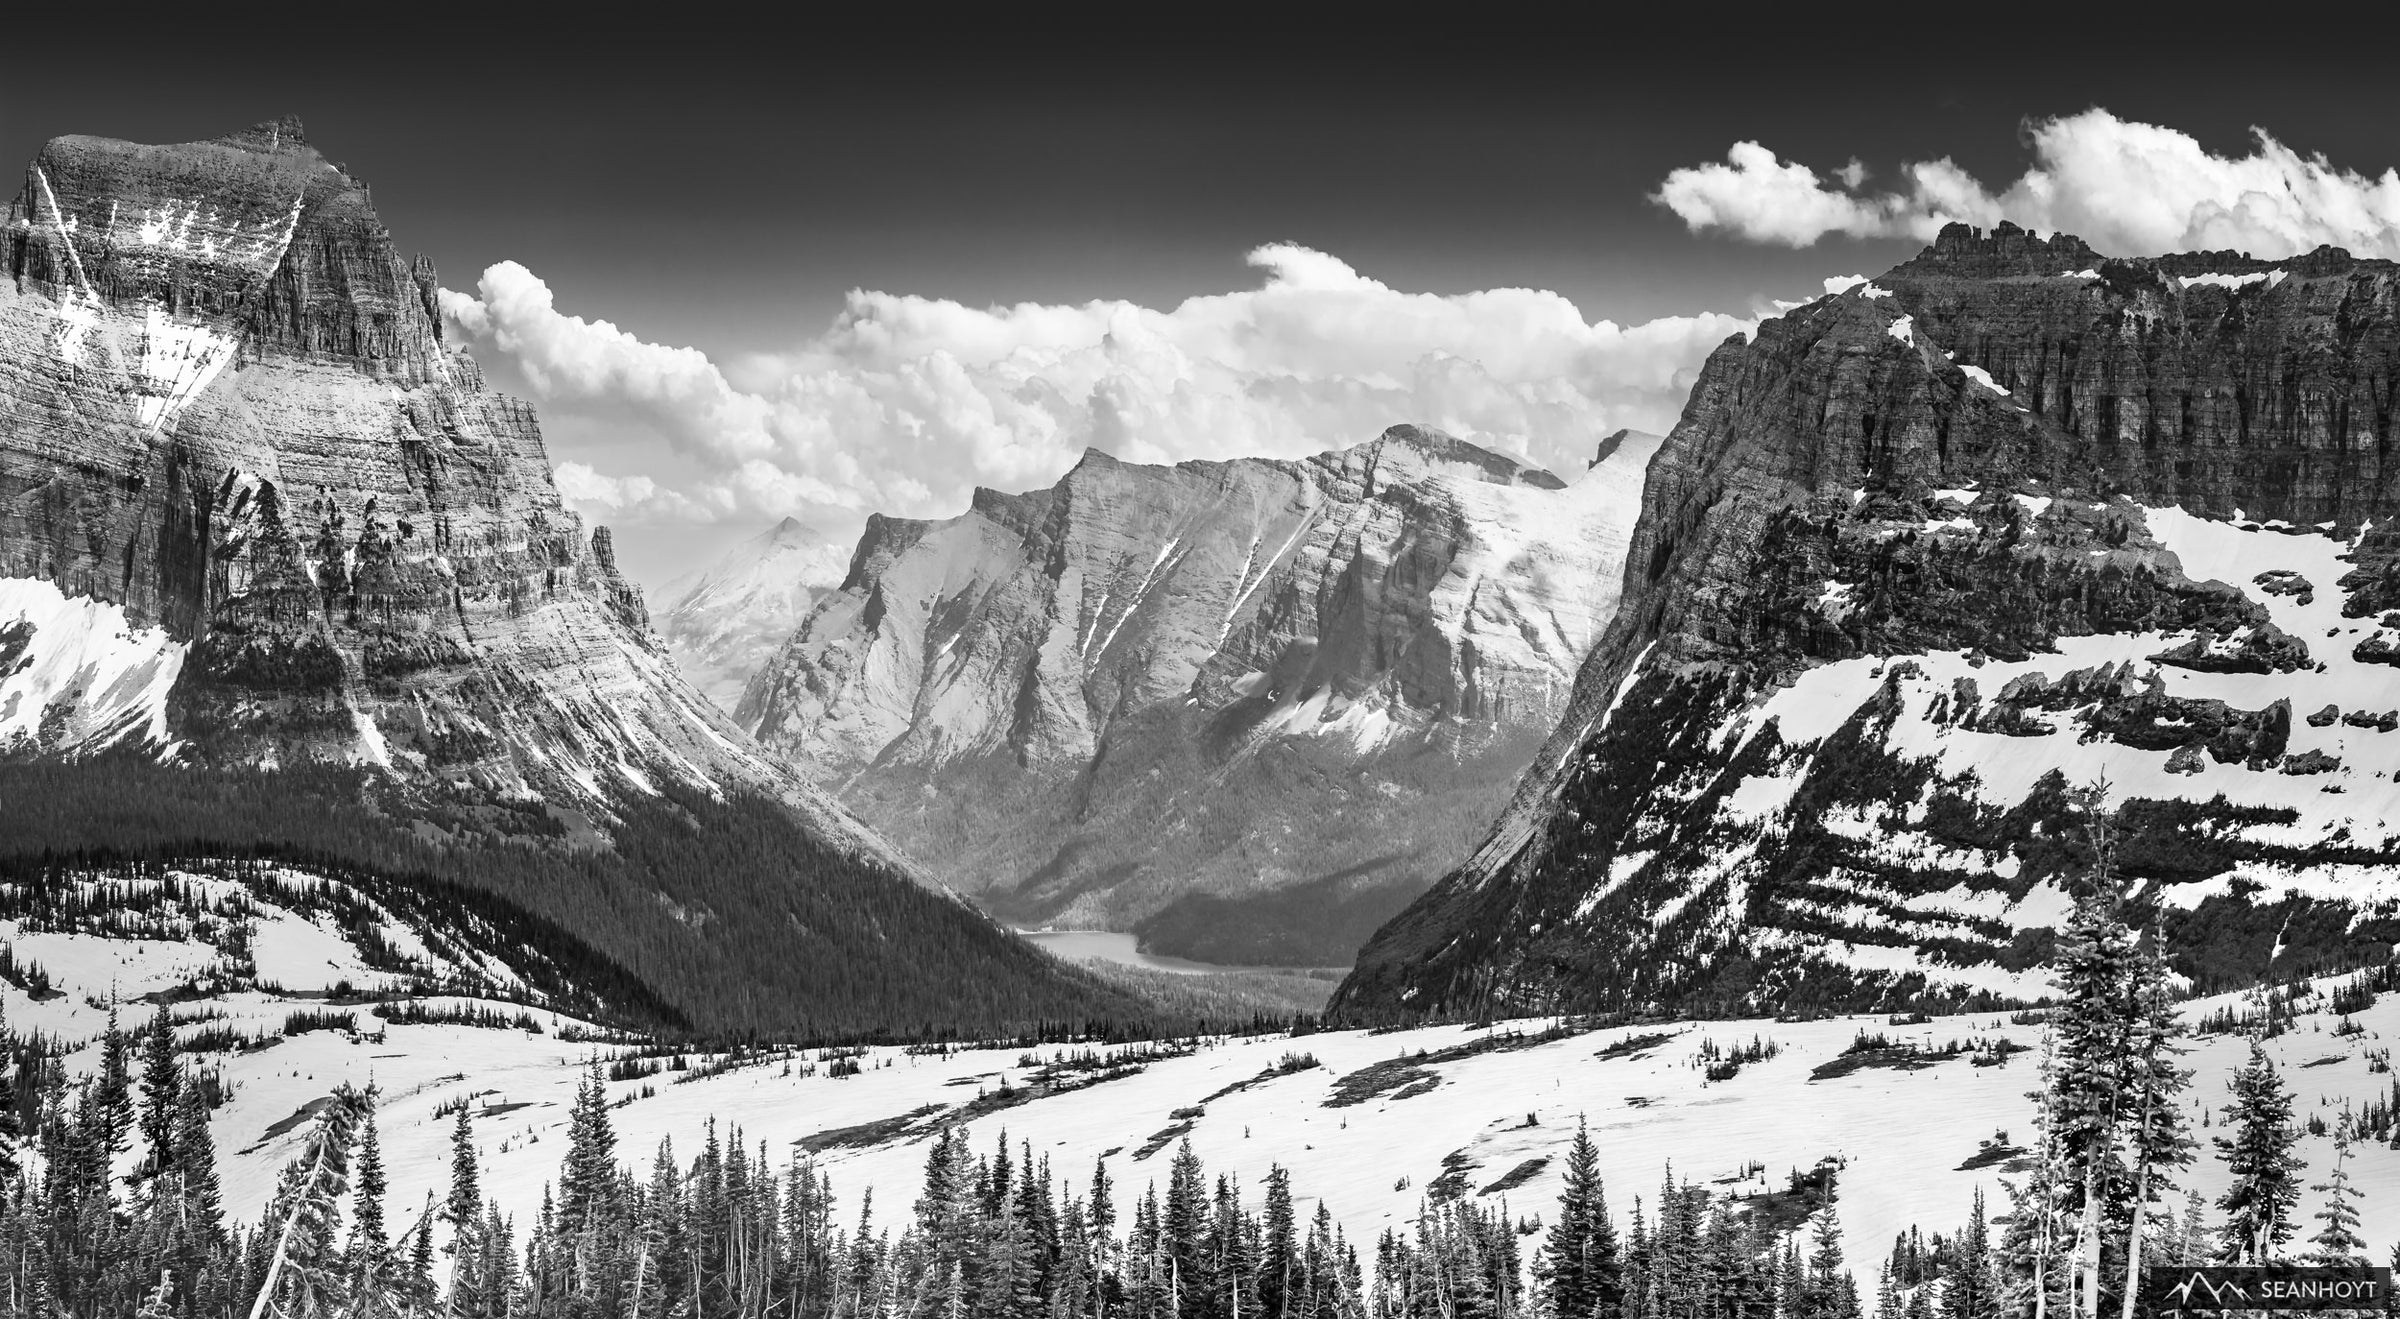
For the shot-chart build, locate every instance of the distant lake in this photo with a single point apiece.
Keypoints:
(1110, 946)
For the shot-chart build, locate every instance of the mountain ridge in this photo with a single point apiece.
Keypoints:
(1990, 456)
(1209, 647)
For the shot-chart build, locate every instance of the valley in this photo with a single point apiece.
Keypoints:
(1919, 833)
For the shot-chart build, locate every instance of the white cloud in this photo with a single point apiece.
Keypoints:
(905, 403)
(2128, 188)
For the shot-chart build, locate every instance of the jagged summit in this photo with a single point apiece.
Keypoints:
(1429, 443)
(1963, 251)
(2008, 249)
(1615, 440)
(1366, 640)
(269, 135)
(1441, 446)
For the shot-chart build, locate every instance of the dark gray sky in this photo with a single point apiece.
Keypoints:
(702, 181)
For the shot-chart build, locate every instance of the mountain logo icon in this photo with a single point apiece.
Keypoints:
(2180, 1296)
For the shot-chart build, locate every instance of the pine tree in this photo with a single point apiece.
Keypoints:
(162, 1083)
(591, 1158)
(196, 1164)
(2258, 1152)
(2192, 1247)
(1826, 1298)
(2088, 1091)
(112, 1098)
(1966, 1290)
(1579, 1268)
(1184, 1221)
(303, 1276)
(464, 1213)
(2338, 1241)
(370, 1248)
(1280, 1247)
(420, 1259)
(2160, 1139)
(12, 1129)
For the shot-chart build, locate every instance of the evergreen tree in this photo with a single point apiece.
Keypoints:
(1967, 1289)
(1828, 1296)
(162, 1081)
(2257, 1150)
(591, 1158)
(2338, 1241)
(2192, 1248)
(1280, 1264)
(2094, 1028)
(1581, 1274)
(2160, 1138)
(370, 1248)
(303, 1278)
(12, 1127)
(464, 1213)
(112, 1098)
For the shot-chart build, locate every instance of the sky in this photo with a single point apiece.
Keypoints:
(866, 265)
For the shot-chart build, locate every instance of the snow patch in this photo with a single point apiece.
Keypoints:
(179, 359)
(2270, 278)
(75, 674)
(1984, 378)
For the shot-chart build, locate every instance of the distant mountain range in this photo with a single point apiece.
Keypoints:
(1786, 710)
(1247, 709)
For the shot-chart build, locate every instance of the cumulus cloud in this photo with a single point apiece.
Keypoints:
(2128, 188)
(906, 403)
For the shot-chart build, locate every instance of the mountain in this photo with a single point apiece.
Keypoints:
(1920, 560)
(257, 521)
(1246, 709)
(728, 620)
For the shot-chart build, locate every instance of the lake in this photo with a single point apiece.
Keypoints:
(1111, 946)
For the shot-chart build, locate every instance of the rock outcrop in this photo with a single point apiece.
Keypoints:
(227, 416)
(1248, 708)
(1919, 558)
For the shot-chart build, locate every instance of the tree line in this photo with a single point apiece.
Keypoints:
(110, 1206)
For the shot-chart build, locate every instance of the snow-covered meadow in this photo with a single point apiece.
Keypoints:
(1903, 1136)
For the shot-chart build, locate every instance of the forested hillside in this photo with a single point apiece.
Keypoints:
(687, 895)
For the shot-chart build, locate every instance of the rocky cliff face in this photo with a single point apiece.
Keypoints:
(252, 511)
(728, 620)
(1918, 560)
(1248, 707)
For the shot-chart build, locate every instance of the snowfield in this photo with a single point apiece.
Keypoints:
(76, 674)
(1903, 1136)
(2339, 775)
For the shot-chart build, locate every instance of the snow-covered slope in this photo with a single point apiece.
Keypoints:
(76, 675)
(1915, 1135)
(1154, 697)
(1919, 560)
(726, 621)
